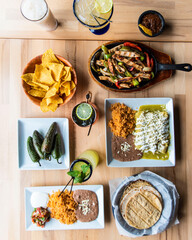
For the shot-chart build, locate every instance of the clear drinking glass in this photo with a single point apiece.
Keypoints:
(39, 12)
(86, 14)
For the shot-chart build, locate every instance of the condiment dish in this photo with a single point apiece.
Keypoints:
(151, 12)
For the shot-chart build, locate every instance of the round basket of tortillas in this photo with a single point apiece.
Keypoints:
(144, 204)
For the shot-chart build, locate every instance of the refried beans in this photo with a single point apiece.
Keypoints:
(123, 149)
(87, 209)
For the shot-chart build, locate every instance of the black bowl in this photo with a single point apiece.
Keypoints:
(85, 161)
(153, 12)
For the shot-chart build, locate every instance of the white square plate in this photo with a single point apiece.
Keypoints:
(54, 224)
(26, 126)
(135, 103)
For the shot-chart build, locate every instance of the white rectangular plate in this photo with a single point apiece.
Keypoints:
(135, 103)
(26, 126)
(54, 224)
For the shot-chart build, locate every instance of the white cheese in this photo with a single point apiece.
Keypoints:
(125, 147)
(152, 131)
(84, 206)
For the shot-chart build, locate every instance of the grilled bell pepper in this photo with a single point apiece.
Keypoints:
(105, 49)
(129, 44)
(128, 74)
(117, 85)
(135, 82)
(107, 56)
(152, 63)
(148, 59)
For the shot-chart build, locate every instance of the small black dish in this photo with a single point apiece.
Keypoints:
(152, 12)
(84, 161)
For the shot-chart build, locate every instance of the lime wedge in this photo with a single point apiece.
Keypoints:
(84, 111)
(103, 6)
(91, 156)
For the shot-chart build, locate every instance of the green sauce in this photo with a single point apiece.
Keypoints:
(159, 156)
(153, 108)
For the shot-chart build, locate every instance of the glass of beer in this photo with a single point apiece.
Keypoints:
(93, 14)
(39, 12)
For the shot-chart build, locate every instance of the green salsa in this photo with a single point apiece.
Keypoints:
(159, 156)
(153, 108)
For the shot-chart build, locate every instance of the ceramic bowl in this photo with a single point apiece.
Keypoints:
(30, 68)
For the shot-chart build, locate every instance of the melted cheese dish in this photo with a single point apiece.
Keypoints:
(152, 132)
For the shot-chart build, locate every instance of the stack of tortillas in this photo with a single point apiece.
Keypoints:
(141, 204)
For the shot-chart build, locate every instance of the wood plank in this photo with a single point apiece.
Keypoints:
(14, 104)
(177, 15)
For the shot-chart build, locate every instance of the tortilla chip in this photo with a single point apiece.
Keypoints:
(49, 57)
(62, 90)
(45, 87)
(43, 75)
(56, 70)
(53, 107)
(37, 93)
(28, 78)
(72, 85)
(67, 76)
(55, 99)
(63, 72)
(43, 105)
(67, 86)
(52, 90)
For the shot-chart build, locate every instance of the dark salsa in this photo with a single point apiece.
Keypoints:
(153, 22)
(40, 216)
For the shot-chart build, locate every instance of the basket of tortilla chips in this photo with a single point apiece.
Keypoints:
(49, 81)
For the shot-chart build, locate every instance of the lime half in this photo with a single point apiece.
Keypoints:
(84, 111)
(103, 6)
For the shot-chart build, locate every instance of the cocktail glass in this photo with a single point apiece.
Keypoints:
(86, 14)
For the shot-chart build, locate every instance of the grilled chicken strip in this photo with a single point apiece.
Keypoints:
(111, 68)
(143, 75)
(104, 78)
(126, 79)
(121, 59)
(100, 63)
(119, 69)
(116, 48)
(105, 73)
(127, 54)
(135, 65)
(124, 85)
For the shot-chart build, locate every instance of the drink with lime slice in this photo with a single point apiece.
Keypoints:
(82, 168)
(94, 14)
(84, 114)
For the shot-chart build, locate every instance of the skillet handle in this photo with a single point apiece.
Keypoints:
(182, 67)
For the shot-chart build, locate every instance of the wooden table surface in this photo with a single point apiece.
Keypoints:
(177, 14)
(21, 40)
(14, 104)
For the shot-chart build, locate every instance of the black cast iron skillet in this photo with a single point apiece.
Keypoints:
(157, 68)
